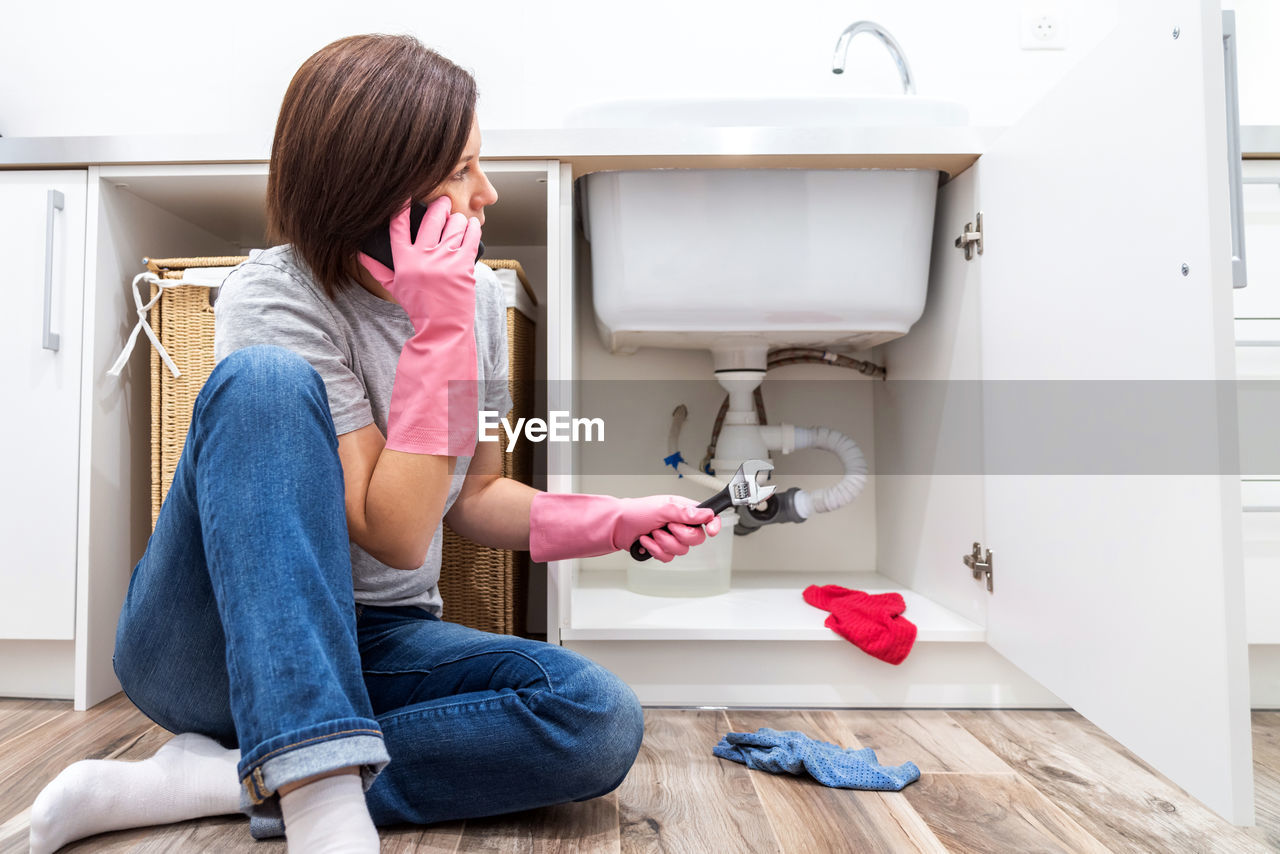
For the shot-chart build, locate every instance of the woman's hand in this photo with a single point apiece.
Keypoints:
(434, 400)
(578, 525)
(666, 525)
(438, 268)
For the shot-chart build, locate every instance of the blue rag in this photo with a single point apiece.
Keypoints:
(831, 765)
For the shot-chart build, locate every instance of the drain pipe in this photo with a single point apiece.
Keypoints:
(795, 504)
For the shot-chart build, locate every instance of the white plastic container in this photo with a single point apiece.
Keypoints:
(704, 571)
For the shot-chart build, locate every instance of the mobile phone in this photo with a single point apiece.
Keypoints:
(377, 245)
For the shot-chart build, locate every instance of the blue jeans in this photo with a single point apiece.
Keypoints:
(240, 624)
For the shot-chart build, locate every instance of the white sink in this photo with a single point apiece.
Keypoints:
(857, 111)
(701, 258)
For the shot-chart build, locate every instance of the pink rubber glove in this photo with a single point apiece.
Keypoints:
(573, 525)
(434, 401)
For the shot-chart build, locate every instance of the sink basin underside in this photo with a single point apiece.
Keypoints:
(683, 258)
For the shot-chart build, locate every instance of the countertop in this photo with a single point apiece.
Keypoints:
(1260, 141)
(950, 149)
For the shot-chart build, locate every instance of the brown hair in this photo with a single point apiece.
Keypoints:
(367, 122)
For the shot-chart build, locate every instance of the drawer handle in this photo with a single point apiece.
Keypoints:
(1239, 276)
(55, 203)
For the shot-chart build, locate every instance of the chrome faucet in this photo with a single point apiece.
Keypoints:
(891, 45)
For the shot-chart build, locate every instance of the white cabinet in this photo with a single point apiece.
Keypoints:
(1257, 309)
(1262, 572)
(77, 506)
(1261, 298)
(1106, 260)
(42, 240)
(1104, 574)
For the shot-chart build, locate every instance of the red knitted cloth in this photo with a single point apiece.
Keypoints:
(873, 622)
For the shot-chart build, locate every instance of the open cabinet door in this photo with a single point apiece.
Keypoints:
(1117, 574)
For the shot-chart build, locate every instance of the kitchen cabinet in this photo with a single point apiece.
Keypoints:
(1120, 595)
(42, 239)
(1260, 299)
(77, 513)
(1119, 592)
(1257, 309)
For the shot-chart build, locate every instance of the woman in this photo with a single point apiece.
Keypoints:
(336, 431)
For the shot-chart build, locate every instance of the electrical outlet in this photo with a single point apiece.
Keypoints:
(1043, 27)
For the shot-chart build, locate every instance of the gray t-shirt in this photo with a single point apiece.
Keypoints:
(354, 341)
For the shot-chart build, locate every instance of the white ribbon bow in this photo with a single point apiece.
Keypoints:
(203, 280)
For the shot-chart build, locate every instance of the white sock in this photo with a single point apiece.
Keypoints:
(329, 816)
(191, 776)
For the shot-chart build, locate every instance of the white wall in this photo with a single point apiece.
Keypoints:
(86, 68)
(1258, 34)
(141, 66)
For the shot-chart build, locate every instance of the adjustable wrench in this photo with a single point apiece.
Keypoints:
(741, 489)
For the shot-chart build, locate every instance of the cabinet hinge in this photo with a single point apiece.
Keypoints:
(980, 564)
(970, 237)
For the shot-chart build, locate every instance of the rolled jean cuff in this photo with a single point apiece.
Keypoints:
(351, 742)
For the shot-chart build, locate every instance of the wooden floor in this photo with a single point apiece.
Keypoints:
(992, 781)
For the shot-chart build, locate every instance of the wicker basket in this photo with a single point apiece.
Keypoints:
(482, 588)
